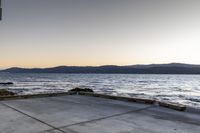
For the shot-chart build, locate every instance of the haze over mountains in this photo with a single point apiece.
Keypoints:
(172, 68)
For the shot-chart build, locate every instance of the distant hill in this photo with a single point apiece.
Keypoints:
(172, 68)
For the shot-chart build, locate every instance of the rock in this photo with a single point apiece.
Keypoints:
(174, 106)
(7, 83)
(4, 92)
(81, 90)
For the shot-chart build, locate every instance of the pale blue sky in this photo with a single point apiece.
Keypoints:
(44, 33)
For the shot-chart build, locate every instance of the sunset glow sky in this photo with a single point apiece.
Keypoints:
(45, 33)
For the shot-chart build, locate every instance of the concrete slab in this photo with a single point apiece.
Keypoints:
(12, 121)
(134, 123)
(83, 114)
(68, 110)
(173, 115)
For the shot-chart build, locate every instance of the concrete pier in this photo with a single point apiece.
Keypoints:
(86, 114)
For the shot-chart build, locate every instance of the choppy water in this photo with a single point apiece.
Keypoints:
(183, 89)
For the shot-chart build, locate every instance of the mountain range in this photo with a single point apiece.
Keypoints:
(172, 68)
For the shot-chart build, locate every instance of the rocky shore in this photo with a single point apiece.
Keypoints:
(4, 92)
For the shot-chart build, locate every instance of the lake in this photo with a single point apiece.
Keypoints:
(184, 89)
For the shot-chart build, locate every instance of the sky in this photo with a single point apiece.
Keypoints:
(45, 33)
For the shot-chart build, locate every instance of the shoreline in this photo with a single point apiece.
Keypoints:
(170, 105)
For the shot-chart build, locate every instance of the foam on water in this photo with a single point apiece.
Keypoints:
(183, 89)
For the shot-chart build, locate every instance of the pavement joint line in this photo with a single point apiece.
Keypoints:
(111, 116)
(54, 128)
(106, 117)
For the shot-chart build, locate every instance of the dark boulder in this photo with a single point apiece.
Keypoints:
(4, 92)
(81, 90)
(6, 83)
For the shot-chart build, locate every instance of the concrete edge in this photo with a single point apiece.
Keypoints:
(128, 99)
(174, 106)
(15, 97)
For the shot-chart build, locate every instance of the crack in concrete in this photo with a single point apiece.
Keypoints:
(111, 116)
(53, 128)
(103, 118)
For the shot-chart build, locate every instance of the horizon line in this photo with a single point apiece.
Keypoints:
(3, 68)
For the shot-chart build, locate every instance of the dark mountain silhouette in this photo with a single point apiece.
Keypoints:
(172, 68)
